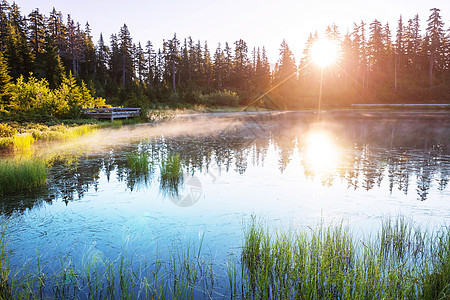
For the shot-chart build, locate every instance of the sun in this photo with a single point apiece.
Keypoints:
(324, 52)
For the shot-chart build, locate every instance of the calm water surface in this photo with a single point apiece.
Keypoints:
(290, 169)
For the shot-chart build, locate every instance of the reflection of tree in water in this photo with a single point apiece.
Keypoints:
(377, 151)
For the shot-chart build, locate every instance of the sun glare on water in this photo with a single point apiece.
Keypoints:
(321, 153)
(324, 52)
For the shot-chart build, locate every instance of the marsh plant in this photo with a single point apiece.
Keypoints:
(19, 175)
(139, 161)
(183, 274)
(401, 262)
(171, 169)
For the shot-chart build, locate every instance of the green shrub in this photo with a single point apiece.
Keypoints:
(223, 98)
(34, 100)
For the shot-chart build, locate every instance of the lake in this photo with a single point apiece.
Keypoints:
(289, 169)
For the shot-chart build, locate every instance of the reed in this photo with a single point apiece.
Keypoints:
(139, 161)
(171, 168)
(19, 175)
(402, 262)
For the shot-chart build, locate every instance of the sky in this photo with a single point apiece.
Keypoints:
(257, 22)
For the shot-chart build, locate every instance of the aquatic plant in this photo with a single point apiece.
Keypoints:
(402, 262)
(139, 161)
(171, 168)
(18, 175)
(324, 262)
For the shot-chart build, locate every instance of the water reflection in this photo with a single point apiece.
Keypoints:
(368, 154)
(321, 153)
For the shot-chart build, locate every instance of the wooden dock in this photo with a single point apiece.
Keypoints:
(112, 113)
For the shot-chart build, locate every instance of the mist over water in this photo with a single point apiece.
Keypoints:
(286, 168)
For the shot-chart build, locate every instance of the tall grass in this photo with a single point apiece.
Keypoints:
(22, 142)
(326, 262)
(171, 169)
(139, 162)
(402, 262)
(19, 175)
(181, 276)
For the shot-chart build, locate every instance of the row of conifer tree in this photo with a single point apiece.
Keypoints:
(375, 64)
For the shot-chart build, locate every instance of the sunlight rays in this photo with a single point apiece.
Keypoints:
(324, 52)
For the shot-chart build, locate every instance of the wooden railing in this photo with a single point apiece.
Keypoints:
(112, 113)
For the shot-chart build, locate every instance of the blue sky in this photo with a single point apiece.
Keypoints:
(257, 22)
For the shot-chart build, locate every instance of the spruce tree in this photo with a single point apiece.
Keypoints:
(5, 80)
(436, 46)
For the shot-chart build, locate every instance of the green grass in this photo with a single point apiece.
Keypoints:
(139, 161)
(184, 272)
(30, 133)
(21, 175)
(401, 262)
(171, 168)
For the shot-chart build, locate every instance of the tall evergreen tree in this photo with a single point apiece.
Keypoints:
(436, 46)
(36, 31)
(5, 80)
(285, 67)
(126, 56)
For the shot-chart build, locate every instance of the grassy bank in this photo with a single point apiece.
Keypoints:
(19, 136)
(21, 175)
(402, 261)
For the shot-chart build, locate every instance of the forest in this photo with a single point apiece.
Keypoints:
(50, 65)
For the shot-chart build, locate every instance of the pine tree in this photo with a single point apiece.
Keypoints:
(436, 46)
(150, 54)
(241, 65)
(218, 67)
(375, 45)
(75, 46)
(57, 30)
(5, 80)
(52, 67)
(126, 55)
(36, 31)
(399, 53)
(207, 65)
(141, 64)
(102, 56)
(89, 61)
(4, 9)
(285, 68)
(17, 53)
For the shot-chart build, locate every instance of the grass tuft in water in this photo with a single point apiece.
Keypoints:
(171, 169)
(19, 175)
(139, 161)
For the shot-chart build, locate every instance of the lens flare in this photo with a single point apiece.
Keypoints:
(324, 52)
